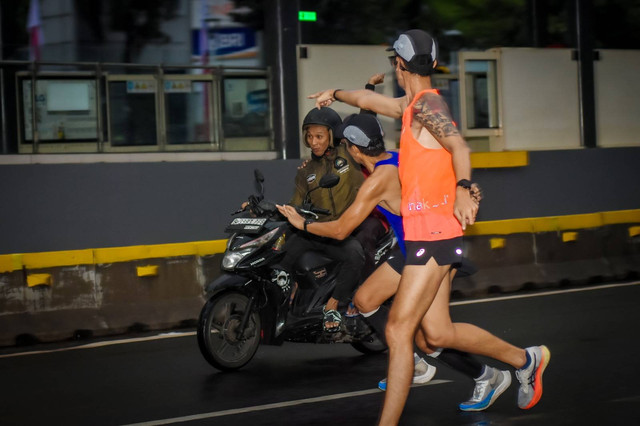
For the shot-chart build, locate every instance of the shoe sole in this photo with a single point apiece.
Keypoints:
(537, 392)
(499, 391)
(417, 380)
(426, 377)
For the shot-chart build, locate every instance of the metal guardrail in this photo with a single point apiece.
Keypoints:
(113, 107)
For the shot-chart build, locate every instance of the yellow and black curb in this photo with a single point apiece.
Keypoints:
(57, 295)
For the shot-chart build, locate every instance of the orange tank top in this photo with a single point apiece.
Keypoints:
(428, 187)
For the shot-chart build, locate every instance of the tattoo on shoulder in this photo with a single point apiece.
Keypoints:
(432, 112)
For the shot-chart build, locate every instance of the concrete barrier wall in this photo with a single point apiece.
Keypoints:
(62, 303)
(528, 261)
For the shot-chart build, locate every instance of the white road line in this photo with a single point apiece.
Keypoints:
(106, 343)
(192, 333)
(271, 406)
(543, 293)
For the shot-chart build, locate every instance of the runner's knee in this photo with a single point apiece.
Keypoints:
(439, 337)
(365, 302)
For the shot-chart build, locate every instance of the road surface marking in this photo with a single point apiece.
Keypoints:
(244, 410)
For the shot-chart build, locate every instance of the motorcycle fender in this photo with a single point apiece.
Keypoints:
(225, 281)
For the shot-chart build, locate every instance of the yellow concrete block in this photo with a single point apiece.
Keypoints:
(497, 243)
(10, 262)
(634, 231)
(482, 160)
(39, 279)
(147, 271)
(569, 236)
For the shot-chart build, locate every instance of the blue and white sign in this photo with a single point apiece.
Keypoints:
(234, 42)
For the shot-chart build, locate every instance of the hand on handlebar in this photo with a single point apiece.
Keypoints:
(292, 215)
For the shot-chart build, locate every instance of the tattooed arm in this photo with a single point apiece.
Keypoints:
(433, 114)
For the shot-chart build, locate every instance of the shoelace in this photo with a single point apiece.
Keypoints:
(478, 391)
(528, 380)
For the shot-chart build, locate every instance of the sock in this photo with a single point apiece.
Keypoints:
(487, 373)
(463, 362)
(378, 321)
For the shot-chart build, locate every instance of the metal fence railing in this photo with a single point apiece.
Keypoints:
(110, 107)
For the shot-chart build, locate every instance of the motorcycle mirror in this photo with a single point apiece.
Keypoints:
(259, 179)
(329, 181)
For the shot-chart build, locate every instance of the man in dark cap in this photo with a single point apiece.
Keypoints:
(436, 207)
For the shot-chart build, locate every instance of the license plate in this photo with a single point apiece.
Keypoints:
(246, 224)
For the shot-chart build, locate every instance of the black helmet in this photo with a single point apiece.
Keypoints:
(324, 117)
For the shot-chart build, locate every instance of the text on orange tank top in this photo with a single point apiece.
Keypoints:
(428, 186)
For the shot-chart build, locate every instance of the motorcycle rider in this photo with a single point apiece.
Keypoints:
(329, 157)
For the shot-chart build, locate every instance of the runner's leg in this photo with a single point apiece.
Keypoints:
(418, 287)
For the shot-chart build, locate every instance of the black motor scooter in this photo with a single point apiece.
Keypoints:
(256, 301)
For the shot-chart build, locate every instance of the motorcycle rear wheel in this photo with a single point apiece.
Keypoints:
(219, 334)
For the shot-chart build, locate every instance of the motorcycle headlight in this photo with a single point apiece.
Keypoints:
(234, 256)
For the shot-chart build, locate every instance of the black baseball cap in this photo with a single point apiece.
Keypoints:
(361, 129)
(418, 49)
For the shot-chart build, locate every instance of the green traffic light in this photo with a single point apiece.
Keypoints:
(307, 16)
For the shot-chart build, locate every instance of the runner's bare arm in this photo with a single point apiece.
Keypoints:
(432, 113)
(363, 99)
(369, 195)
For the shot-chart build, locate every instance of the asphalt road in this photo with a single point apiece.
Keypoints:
(591, 380)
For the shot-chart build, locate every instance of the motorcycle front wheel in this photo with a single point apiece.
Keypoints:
(220, 339)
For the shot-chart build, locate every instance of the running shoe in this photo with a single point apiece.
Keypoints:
(489, 386)
(531, 377)
(422, 373)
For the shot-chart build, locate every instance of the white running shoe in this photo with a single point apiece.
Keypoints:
(489, 386)
(422, 373)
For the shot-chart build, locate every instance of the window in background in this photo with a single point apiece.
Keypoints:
(65, 110)
(189, 106)
(132, 112)
(246, 114)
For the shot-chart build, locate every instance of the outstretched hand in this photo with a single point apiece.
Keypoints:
(292, 215)
(324, 98)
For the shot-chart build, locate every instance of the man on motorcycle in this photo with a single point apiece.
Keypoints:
(328, 157)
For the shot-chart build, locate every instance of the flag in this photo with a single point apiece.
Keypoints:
(204, 32)
(34, 26)
(204, 54)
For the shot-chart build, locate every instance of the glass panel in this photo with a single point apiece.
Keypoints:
(189, 115)
(65, 110)
(132, 109)
(449, 89)
(245, 107)
(481, 94)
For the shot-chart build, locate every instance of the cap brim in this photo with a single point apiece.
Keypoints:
(389, 49)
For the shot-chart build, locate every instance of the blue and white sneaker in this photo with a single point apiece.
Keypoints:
(489, 386)
(422, 373)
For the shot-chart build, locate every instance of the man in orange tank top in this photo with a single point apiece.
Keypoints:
(435, 173)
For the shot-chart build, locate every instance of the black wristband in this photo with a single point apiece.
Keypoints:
(307, 222)
(370, 86)
(333, 95)
(465, 183)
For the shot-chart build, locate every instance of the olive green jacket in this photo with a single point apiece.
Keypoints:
(336, 199)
